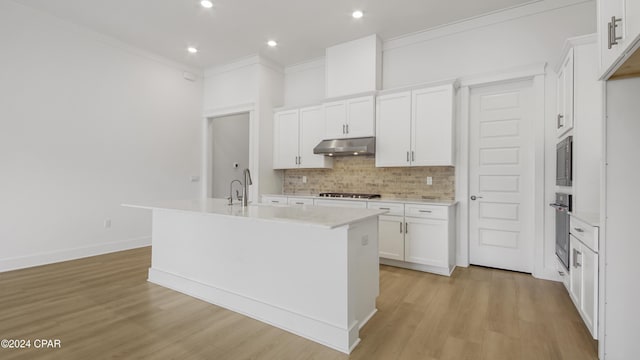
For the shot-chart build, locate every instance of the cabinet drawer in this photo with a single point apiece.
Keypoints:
(299, 201)
(341, 203)
(584, 232)
(393, 208)
(427, 211)
(274, 200)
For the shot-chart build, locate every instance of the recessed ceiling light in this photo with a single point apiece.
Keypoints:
(357, 14)
(272, 43)
(206, 4)
(192, 49)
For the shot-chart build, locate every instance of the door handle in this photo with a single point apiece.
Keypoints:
(473, 197)
(578, 229)
(401, 228)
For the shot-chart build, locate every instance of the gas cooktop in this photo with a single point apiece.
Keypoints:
(349, 195)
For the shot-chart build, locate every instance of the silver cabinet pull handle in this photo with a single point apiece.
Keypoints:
(299, 203)
(400, 228)
(613, 38)
(578, 264)
(425, 211)
(407, 156)
(343, 129)
(299, 160)
(578, 229)
(406, 228)
(275, 202)
(347, 128)
(413, 155)
(382, 208)
(560, 117)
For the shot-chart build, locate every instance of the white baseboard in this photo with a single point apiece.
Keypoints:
(51, 257)
(547, 274)
(330, 335)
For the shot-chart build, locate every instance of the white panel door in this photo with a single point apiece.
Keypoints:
(391, 237)
(426, 242)
(589, 265)
(311, 133)
(432, 126)
(501, 176)
(360, 117)
(285, 145)
(575, 271)
(335, 120)
(393, 129)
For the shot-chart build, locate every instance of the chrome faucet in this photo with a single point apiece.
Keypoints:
(230, 198)
(245, 189)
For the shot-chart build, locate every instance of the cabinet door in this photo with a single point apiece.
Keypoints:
(391, 237)
(335, 120)
(608, 9)
(426, 242)
(588, 261)
(564, 118)
(285, 142)
(393, 129)
(632, 20)
(360, 117)
(575, 271)
(311, 133)
(432, 126)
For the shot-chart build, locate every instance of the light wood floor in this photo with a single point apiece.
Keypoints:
(103, 308)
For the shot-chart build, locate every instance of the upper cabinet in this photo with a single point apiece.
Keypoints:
(619, 31)
(415, 128)
(296, 133)
(350, 118)
(564, 115)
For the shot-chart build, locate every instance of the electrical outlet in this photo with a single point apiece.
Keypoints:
(195, 178)
(429, 180)
(304, 179)
(365, 240)
(107, 223)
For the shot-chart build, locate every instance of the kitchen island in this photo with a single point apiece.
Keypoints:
(312, 271)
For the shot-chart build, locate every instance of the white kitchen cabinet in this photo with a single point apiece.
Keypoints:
(391, 237)
(340, 203)
(565, 98)
(298, 201)
(583, 270)
(393, 117)
(349, 118)
(286, 142)
(619, 30)
(296, 133)
(415, 128)
(423, 239)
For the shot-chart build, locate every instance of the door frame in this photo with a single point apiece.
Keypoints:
(207, 140)
(535, 73)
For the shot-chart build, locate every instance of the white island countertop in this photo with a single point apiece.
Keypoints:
(326, 217)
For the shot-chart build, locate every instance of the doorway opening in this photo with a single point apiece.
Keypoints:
(228, 152)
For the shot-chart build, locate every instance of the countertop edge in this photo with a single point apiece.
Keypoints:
(395, 200)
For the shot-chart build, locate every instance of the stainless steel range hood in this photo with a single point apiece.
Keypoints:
(346, 147)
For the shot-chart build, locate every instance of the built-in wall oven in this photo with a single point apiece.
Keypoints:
(563, 207)
(564, 162)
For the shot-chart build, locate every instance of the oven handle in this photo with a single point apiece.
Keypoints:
(559, 207)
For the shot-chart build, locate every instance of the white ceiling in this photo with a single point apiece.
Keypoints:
(233, 29)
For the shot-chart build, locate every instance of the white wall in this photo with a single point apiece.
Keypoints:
(85, 125)
(304, 84)
(229, 145)
(492, 44)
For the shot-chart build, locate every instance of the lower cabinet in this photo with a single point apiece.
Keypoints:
(417, 237)
(391, 237)
(583, 288)
(426, 242)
